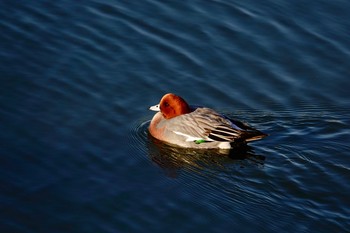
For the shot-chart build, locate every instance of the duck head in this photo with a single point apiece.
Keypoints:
(171, 106)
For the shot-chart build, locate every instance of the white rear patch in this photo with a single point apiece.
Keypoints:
(224, 145)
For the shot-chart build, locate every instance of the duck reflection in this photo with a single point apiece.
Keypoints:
(172, 159)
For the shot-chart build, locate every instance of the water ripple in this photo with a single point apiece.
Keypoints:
(76, 83)
(238, 184)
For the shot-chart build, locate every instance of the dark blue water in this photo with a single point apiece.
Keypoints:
(77, 79)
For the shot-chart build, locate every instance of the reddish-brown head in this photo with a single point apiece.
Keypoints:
(172, 105)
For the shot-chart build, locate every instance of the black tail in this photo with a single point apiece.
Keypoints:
(249, 136)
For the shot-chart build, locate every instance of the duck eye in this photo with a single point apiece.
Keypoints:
(166, 104)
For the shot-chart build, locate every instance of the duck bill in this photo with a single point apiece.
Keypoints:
(155, 108)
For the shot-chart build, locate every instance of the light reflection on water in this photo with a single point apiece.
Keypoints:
(77, 80)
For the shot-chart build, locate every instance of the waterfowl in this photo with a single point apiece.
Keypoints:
(178, 123)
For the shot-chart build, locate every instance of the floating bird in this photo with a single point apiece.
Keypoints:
(178, 123)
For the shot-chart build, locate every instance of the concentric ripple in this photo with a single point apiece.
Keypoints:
(77, 81)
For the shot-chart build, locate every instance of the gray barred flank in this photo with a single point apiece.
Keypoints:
(203, 122)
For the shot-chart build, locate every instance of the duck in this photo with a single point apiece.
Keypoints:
(176, 122)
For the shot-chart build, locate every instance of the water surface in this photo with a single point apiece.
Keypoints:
(76, 83)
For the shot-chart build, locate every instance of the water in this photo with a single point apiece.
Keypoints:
(77, 80)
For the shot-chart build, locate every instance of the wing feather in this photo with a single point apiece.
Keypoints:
(206, 124)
